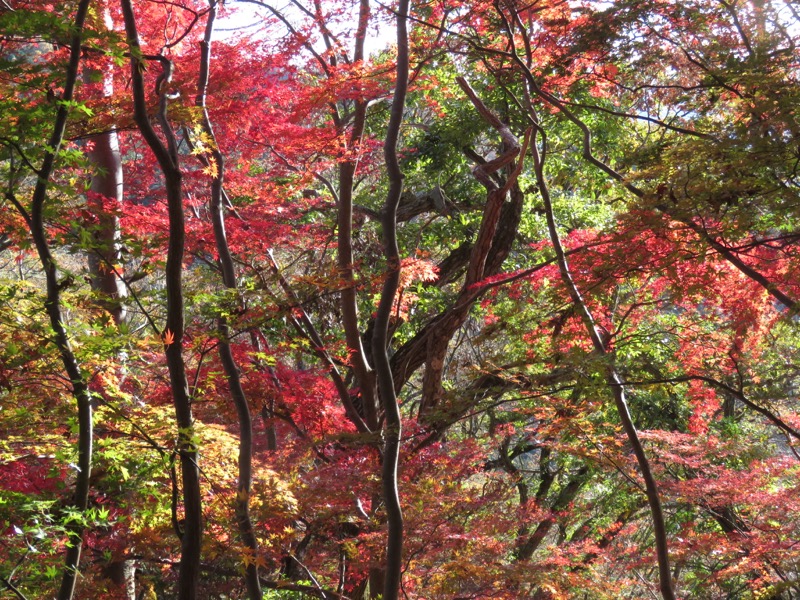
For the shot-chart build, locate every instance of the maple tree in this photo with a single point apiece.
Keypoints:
(501, 306)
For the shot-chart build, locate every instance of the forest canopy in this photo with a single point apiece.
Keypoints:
(345, 299)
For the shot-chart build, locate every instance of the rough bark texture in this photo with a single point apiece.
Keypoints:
(442, 330)
(123, 574)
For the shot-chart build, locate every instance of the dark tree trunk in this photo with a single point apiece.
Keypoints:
(80, 391)
(245, 462)
(615, 383)
(167, 157)
(365, 377)
(380, 341)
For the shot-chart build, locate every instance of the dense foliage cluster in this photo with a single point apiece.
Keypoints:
(425, 300)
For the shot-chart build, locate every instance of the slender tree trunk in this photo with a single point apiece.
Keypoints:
(614, 382)
(380, 342)
(588, 154)
(229, 365)
(80, 391)
(612, 377)
(365, 377)
(167, 157)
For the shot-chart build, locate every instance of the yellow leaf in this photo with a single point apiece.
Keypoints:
(211, 169)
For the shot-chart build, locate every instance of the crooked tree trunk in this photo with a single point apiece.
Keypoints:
(245, 459)
(53, 306)
(439, 335)
(380, 341)
(533, 89)
(167, 157)
(412, 355)
(368, 419)
(614, 383)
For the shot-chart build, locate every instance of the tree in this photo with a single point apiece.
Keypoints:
(514, 297)
(33, 215)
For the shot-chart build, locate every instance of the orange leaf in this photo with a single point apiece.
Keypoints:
(168, 337)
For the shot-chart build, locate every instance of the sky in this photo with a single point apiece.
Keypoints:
(246, 18)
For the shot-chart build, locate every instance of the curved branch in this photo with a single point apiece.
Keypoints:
(771, 416)
(588, 155)
(16, 146)
(13, 589)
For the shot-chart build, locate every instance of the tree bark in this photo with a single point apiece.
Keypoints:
(365, 377)
(380, 339)
(105, 257)
(80, 391)
(412, 355)
(167, 157)
(107, 183)
(245, 459)
(614, 382)
(439, 336)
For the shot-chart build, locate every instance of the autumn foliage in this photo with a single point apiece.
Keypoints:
(590, 327)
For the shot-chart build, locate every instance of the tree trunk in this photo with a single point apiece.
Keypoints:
(365, 377)
(80, 391)
(105, 257)
(245, 460)
(380, 341)
(107, 186)
(614, 382)
(167, 157)
(123, 574)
